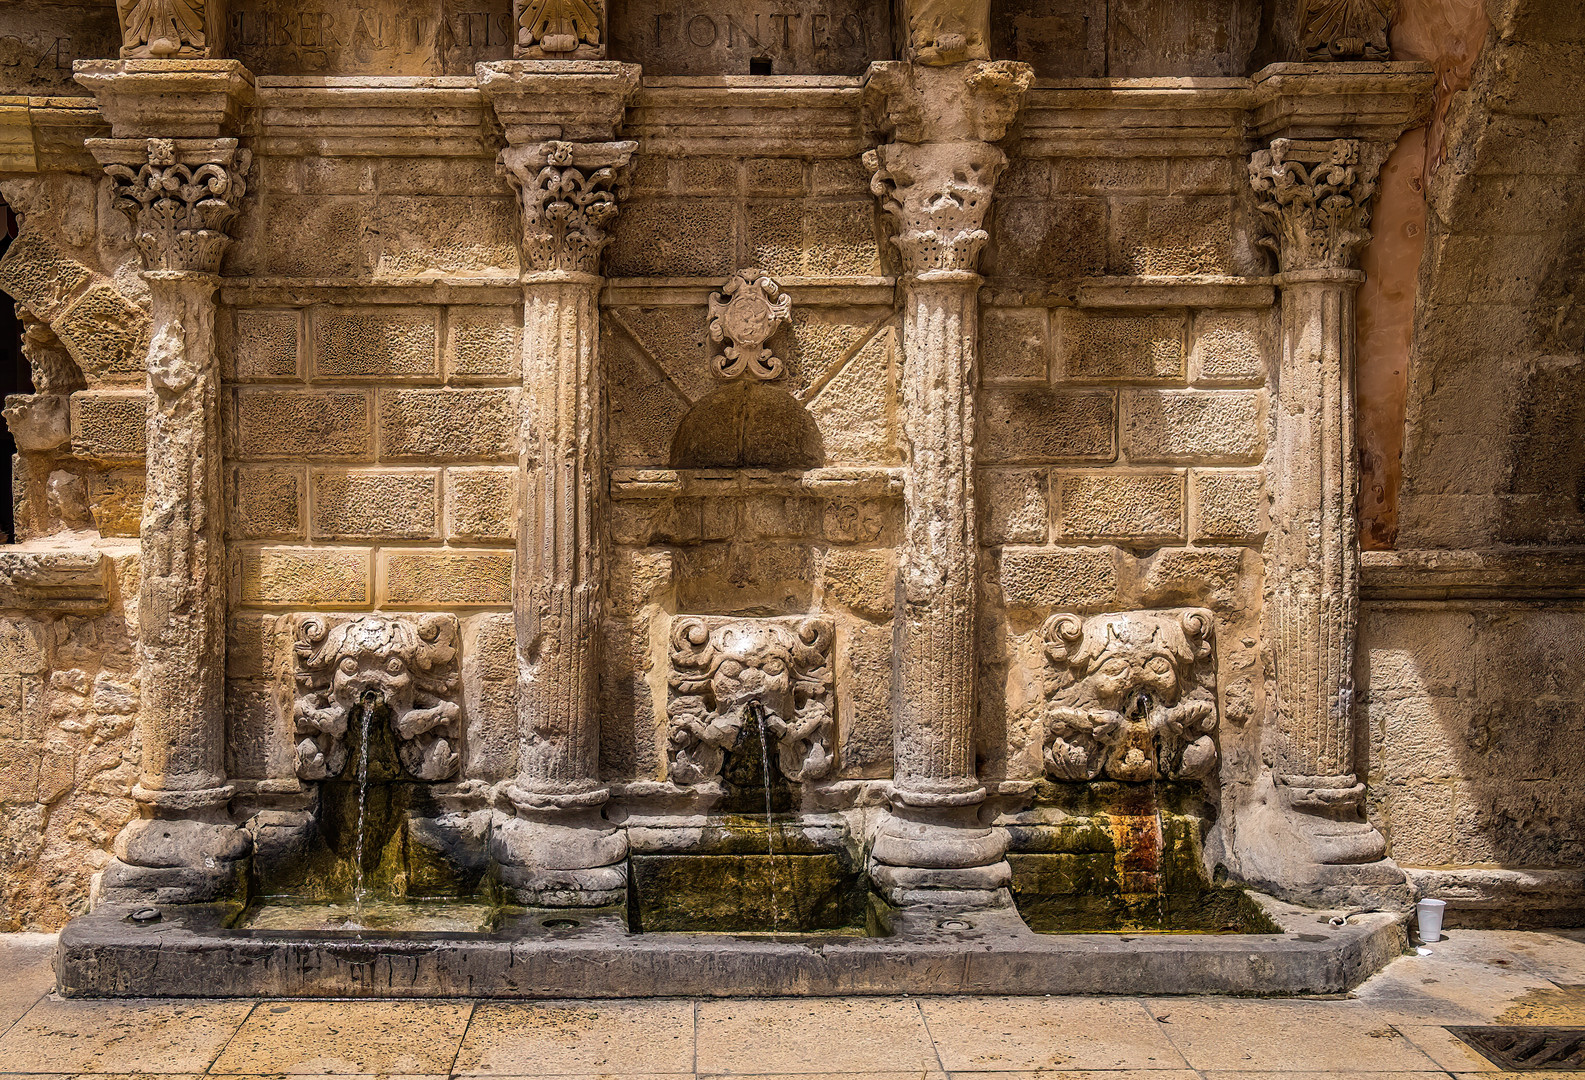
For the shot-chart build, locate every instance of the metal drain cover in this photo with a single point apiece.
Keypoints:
(1522, 1048)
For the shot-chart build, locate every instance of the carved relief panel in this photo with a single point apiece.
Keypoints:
(1130, 696)
(723, 668)
(407, 662)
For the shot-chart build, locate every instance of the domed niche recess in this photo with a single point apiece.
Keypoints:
(747, 425)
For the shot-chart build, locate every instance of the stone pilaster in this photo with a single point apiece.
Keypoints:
(935, 182)
(555, 848)
(180, 195)
(1313, 837)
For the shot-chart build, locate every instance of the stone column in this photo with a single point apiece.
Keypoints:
(555, 847)
(935, 181)
(1312, 837)
(180, 195)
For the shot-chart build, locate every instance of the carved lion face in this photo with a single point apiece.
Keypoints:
(374, 658)
(1128, 661)
(756, 663)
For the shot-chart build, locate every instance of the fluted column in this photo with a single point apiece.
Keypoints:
(555, 847)
(1315, 196)
(935, 181)
(180, 195)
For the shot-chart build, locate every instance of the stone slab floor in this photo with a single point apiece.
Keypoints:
(1391, 1029)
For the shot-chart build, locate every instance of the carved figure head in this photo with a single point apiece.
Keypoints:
(720, 668)
(406, 663)
(1131, 695)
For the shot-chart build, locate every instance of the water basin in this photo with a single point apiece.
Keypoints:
(376, 915)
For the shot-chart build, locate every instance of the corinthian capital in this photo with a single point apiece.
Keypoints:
(936, 195)
(568, 196)
(1315, 196)
(180, 195)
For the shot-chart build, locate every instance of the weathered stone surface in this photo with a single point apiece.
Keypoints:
(1048, 425)
(264, 346)
(1118, 506)
(1211, 426)
(465, 578)
(1228, 504)
(1080, 578)
(376, 504)
(108, 423)
(1100, 345)
(375, 342)
(482, 342)
(303, 423)
(268, 502)
(481, 503)
(293, 576)
(448, 425)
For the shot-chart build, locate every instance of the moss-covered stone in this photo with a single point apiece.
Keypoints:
(746, 893)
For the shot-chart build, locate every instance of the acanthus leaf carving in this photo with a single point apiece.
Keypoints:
(410, 662)
(743, 316)
(568, 194)
(164, 29)
(1345, 29)
(559, 27)
(721, 667)
(1130, 695)
(180, 198)
(937, 195)
(1316, 195)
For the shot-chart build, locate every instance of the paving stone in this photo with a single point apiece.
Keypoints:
(595, 1036)
(347, 1037)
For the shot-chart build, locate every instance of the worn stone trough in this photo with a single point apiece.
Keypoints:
(194, 950)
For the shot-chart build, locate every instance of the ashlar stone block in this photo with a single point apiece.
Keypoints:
(1170, 426)
(267, 502)
(319, 424)
(449, 424)
(1228, 505)
(115, 499)
(1230, 346)
(1096, 345)
(1121, 505)
(108, 424)
(446, 578)
(264, 345)
(304, 576)
(376, 504)
(1013, 506)
(1077, 578)
(1044, 425)
(376, 343)
(482, 343)
(1014, 343)
(481, 503)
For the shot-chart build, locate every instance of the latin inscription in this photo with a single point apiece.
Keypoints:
(398, 37)
(39, 42)
(815, 37)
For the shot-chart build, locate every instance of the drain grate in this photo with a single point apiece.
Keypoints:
(1519, 1049)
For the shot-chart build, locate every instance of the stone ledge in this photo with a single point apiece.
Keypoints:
(817, 483)
(189, 953)
(1494, 897)
(41, 580)
(1474, 574)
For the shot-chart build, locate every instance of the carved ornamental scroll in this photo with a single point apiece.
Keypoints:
(1131, 696)
(721, 666)
(1316, 197)
(743, 316)
(408, 663)
(1345, 29)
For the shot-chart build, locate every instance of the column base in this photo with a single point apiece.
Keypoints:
(933, 849)
(195, 858)
(1306, 840)
(559, 851)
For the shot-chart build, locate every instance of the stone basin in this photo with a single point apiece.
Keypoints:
(196, 950)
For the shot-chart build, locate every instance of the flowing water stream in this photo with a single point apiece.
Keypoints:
(757, 710)
(366, 710)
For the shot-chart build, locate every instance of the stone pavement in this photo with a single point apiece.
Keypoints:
(1391, 1029)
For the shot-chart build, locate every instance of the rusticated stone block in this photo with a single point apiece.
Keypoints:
(1224, 579)
(1082, 578)
(37, 273)
(1192, 426)
(481, 503)
(1099, 345)
(483, 343)
(639, 577)
(376, 504)
(1041, 425)
(862, 580)
(264, 345)
(674, 238)
(109, 423)
(115, 499)
(447, 577)
(376, 343)
(1013, 506)
(1228, 504)
(304, 577)
(267, 502)
(449, 424)
(1230, 346)
(1111, 505)
(303, 423)
(1178, 235)
(1013, 343)
(106, 333)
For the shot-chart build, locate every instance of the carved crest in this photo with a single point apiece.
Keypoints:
(749, 308)
(179, 204)
(164, 29)
(1345, 29)
(410, 662)
(949, 31)
(1316, 195)
(1131, 696)
(721, 666)
(559, 27)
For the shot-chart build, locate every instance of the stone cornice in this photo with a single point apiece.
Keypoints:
(168, 99)
(573, 100)
(1489, 574)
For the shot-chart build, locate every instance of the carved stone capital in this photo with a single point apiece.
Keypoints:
(568, 194)
(916, 103)
(1345, 29)
(559, 29)
(180, 195)
(171, 29)
(936, 195)
(1315, 195)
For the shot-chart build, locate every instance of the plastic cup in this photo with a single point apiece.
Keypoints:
(1429, 912)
